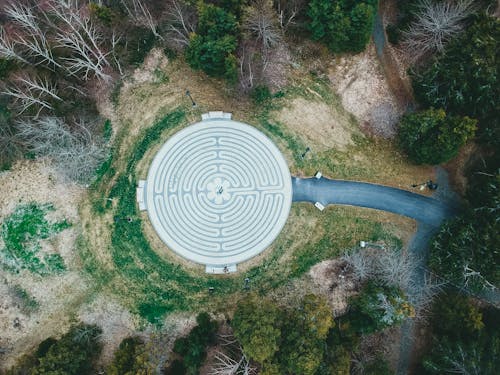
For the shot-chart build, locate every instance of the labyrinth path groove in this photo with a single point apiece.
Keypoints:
(217, 193)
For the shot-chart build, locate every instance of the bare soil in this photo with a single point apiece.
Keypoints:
(335, 282)
(363, 88)
(318, 123)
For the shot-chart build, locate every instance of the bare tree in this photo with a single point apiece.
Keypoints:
(470, 274)
(76, 154)
(181, 23)
(260, 21)
(139, 12)
(287, 11)
(361, 264)
(22, 15)
(231, 361)
(31, 91)
(422, 294)
(79, 35)
(396, 268)
(435, 25)
(10, 144)
(38, 47)
(7, 48)
(250, 65)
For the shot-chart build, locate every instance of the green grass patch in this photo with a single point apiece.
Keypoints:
(21, 233)
(26, 302)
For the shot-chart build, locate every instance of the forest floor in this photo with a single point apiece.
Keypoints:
(334, 113)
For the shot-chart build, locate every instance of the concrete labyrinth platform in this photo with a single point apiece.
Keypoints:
(217, 193)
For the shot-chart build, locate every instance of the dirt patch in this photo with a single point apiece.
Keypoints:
(335, 282)
(456, 167)
(363, 88)
(116, 323)
(318, 122)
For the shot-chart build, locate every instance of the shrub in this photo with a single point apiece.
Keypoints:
(343, 25)
(432, 137)
(260, 94)
(74, 353)
(21, 233)
(102, 12)
(129, 359)
(134, 47)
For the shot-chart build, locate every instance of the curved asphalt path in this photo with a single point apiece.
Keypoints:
(421, 208)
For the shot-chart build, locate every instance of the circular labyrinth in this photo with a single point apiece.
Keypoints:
(218, 192)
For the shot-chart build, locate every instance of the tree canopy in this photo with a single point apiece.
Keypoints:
(466, 251)
(343, 25)
(212, 47)
(257, 326)
(465, 339)
(432, 137)
(193, 347)
(464, 80)
(284, 341)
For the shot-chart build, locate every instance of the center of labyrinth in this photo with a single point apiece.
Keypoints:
(218, 190)
(217, 193)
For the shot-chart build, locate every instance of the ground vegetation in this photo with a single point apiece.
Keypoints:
(22, 232)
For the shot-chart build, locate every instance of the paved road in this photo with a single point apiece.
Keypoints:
(423, 209)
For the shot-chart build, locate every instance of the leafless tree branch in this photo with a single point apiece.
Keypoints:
(260, 21)
(76, 154)
(7, 48)
(32, 91)
(80, 36)
(435, 25)
(181, 23)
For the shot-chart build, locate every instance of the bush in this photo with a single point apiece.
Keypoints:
(432, 137)
(378, 307)
(129, 359)
(193, 347)
(74, 353)
(212, 48)
(260, 94)
(343, 25)
(134, 47)
(101, 12)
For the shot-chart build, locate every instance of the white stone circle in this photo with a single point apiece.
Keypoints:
(218, 193)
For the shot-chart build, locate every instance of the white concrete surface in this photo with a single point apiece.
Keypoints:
(218, 192)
